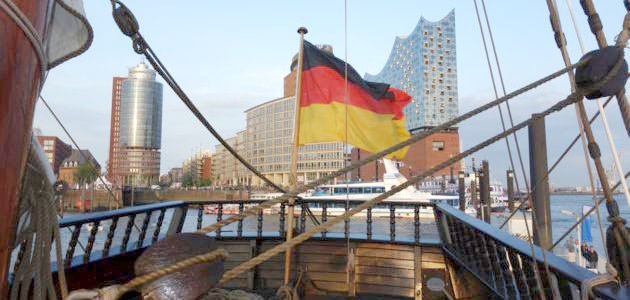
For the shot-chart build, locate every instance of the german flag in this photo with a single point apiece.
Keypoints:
(375, 117)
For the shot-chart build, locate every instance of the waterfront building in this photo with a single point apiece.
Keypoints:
(114, 163)
(55, 149)
(226, 169)
(71, 165)
(422, 156)
(137, 128)
(269, 143)
(424, 65)
(193, 168)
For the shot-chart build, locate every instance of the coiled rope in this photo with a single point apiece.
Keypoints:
(114, 292)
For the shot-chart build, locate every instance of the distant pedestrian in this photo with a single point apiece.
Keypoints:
(594, 258)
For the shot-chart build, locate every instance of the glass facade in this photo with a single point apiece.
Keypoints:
(424, 65)
(141, 110)
(140, 132)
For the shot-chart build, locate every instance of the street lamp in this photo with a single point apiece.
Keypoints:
(578, 252)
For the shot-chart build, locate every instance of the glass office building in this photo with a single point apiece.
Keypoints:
(140, 127)
(424, 65)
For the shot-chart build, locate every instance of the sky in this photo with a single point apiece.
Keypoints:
(231, 55)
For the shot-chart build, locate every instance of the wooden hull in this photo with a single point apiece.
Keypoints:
(19, 84)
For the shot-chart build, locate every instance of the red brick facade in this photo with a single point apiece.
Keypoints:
(115, 153)
(206, 168)
(422, 155)
(56, 150)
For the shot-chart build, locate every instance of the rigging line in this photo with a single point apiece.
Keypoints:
(555, 164)
(569, 100)
(345, 150)
(74, 142)
(584, 216)
(413, 139)
(608, 135)
(613, 147)
(618, 228)
(595, 25)
(494, 86)
(161, 69)
(507, 103)
(534, 218)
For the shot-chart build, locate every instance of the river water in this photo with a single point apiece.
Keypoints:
(404, 229)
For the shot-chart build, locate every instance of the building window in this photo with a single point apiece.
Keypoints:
(438, 146)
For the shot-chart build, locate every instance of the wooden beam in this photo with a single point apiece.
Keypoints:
(417, 266)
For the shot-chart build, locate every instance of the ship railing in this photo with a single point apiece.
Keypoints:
(504, 263)
(98, 235)
(391, 221)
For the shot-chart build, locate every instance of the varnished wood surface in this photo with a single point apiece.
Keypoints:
(19, 83)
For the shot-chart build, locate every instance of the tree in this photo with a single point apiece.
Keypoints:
(84, 174)
(187, 180)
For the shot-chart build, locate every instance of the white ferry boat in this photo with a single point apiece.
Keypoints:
(335, 196)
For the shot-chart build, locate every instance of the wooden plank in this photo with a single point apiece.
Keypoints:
(417, 261)
(433, 265)
(326, 276)
(318, 249)
(384, 246)
(434, 257)
(351, 270)
(334, 287)
(385, 290)
(251, 273)
(393, 272)
(238, 283)
(321, 258)
(385, 280)
(432, 250)
(397, 254)
(238, 257)
(386, 263)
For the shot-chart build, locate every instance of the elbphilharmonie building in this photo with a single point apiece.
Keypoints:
(424, 65)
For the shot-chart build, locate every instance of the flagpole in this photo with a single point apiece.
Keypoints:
(294, 153)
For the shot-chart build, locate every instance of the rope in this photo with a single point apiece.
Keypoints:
(74, 142)
(414, 138)
(33, 272)
(595, 24)
(611, 142)
(586, 288)
(555, 164)
(22, 21)
(585, 215)
(608, 135)
(507, 143)
(571, 99)
(114, 292)
(612, 206)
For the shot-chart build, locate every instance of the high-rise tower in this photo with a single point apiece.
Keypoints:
(423, 64)
(113, 163)
(139, 129)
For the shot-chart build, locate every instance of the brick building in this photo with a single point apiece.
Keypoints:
(206, 168)
(422, 155)
(55, 149)
(115, 153)
(71, 164)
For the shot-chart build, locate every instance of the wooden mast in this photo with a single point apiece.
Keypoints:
(19, 87)
(294, 154)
